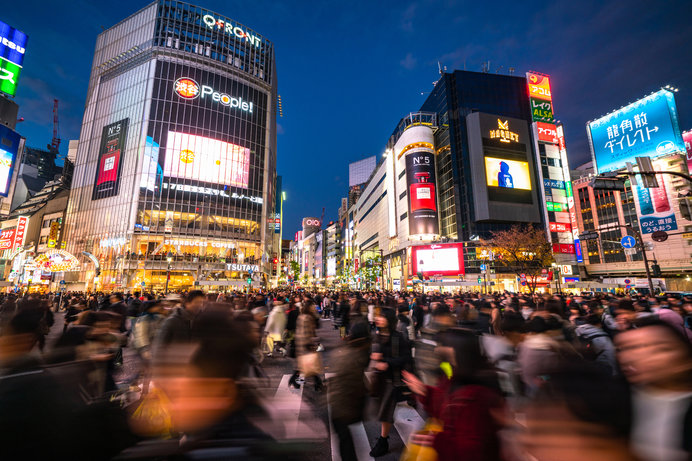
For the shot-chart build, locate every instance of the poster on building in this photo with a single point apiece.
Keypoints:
(20, 232)
(646, 128)
(422, 194)
(7, 238)
(110, 160)
(655, 206)
(53, 234)
(9, 146)
(687, 139)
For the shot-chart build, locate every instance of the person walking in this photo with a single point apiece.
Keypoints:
(276, 323)
(306, 343)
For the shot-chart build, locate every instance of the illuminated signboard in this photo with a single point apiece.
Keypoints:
(9, 146)
(151, 170)
(655, 207)
(311, 222)
(540, 97)
(188, 88)
(563, 248)
(687, 139)
(231, 29)
(12, 50)
(510, 174)
(547, 132)
(7, 238)
(205, 159)
(422, 195)
(56, 261)
(20, 232)
(559, 227)
(646, 128)
(441, 259)
(503, 132)
(554, 206)
(110, 160)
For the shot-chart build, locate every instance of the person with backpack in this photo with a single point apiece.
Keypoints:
(596, 344)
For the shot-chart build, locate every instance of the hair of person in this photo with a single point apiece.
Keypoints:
(513, 322)
(470, 361)
(193, 294)
(389, 314)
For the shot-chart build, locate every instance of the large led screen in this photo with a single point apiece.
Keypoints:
(646, 128)
(12, 49)
(508, 174)
(110, 160)
(205, 159)
(9, 146)
(444, 259)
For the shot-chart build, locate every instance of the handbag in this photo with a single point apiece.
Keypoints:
(310, 364)
(152, 417)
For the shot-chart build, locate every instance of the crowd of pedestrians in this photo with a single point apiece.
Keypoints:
(498, 377)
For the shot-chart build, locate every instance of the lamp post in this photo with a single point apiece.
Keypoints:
(169, 258)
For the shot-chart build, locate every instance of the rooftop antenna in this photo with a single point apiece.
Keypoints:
(497, 70)
(511, 70)
(440, 68)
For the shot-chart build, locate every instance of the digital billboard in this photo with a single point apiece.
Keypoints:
(151, 170)
(422, 196)
(646, 128)
(110, 160)
(199, 158)
(687, 139)
(12, 50)
(9, 146)
(510, 174)
(440, 259)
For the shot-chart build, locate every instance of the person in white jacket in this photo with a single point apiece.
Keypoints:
(276, 323)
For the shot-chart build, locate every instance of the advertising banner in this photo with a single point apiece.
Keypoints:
(9, 146)
(655, 206)
(22, 222)
(110, 160)
(168, 222)
(646, 128)
(151, 170)
(422, 194)
(199, 158)
(440, 259)
(53, 234)
(510, 174)
(12, 50)
(540, 97)
(547, 132)
(7, 238)
(687, 139)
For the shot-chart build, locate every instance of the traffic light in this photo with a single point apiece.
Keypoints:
(655, 270)
(480, 279)
(601, 183)
(276, 261)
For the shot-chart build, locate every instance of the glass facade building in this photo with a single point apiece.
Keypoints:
(176, 168)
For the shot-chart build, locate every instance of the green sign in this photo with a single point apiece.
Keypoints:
(9, 74)
(541, 110)
(568, 188)
(554, 206)
(249, 281)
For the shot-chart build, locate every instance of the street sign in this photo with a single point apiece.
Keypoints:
(628, 241)
(659, 236)
(631, 251)
(589, 235)
(628, 282)
(249, 281)
(143, 284)
(482, 267)
(62, 282)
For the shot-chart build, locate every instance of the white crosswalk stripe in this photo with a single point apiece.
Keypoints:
(288, 401)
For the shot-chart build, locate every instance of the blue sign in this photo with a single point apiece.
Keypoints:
(9, 146)
(554, 183)
(628, 241)
(577, 250)
(482, 267)
(12, 44)
(646, 128)
(649, 225)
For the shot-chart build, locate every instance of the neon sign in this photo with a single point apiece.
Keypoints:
(503, 133)
(187, 88)
(229, 28)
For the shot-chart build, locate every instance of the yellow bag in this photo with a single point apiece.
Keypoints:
(415, 452)
(152, 417)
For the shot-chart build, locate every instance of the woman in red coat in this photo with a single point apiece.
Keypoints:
(468, 404)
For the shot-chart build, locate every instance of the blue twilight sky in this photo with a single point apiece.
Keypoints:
(348, 71)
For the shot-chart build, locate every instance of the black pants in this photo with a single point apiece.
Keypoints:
(346, 448)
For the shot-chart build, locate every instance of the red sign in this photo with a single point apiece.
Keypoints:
(687, 138)
(186, 88)
(355, 265)
(7, 239)
(438, 259)
(547, 132)
(539, 86)
(559, 227)
(564, 248)
(21, 230)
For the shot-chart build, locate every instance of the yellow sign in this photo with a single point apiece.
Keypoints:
(53, 235)
(687, 235)
(503, 133)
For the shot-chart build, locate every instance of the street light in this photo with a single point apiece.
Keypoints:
(169, 258)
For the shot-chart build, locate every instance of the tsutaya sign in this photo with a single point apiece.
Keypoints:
(187, 88)
(219, 24)
(502, 133)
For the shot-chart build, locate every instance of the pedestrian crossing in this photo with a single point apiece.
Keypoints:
(288, 403)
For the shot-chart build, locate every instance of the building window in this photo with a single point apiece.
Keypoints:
(403, 216)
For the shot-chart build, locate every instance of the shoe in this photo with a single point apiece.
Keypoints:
(292, 382)
(320, 348)
(269, 354)
(381, 447)
(318, 384)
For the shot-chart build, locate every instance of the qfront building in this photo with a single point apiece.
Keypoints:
(175, 173)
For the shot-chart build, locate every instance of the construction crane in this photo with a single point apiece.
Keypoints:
(55, 143)
(322, 217)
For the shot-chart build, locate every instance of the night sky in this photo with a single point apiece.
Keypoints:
(348, 71)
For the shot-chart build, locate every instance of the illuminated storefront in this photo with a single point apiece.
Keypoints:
(177, 156)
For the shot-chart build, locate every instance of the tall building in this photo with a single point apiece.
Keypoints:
(175, 169)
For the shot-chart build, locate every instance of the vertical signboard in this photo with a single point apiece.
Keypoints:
(422, 196)
(19, 234)
(12, 49)
(687, 139)
(540, 97)
(110, 160)
(655, 206)
(9, 146)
